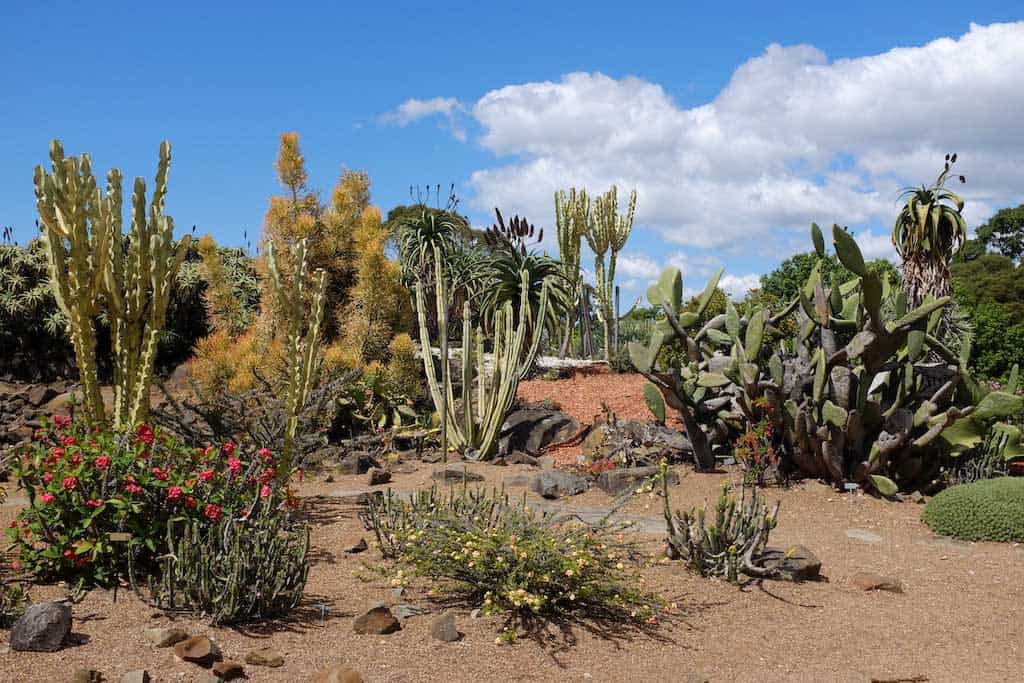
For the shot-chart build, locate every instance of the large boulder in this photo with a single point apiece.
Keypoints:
(793, 564)
(531, 429)
(42, 628)
(620, 480)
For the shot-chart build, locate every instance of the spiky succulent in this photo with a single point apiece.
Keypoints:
(929, 231)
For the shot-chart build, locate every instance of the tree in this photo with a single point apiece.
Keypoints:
(783, 283)
(1004, 233)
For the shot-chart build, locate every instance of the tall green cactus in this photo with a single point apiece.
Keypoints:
(476, 430)
(607, 235)
(140, 272)
(303, 342)
(90, 259)
(572, 217)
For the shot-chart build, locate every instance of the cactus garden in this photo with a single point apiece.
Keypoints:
(642, 393)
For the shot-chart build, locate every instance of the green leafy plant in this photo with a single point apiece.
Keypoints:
(234, 570)
(13, 599)
(989, 510)
(756, 451)
(99, 499)
(506, 557)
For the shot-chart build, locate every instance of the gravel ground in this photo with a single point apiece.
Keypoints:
(959, 617)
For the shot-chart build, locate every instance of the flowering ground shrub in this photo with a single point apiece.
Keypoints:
(755, 452)
(508, 558)
(85, 483)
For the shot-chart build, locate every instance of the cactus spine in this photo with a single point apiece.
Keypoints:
(572, 216)
(476, 432)
(89, 260)
(302, 349)
(607, 234)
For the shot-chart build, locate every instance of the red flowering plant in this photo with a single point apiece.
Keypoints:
(85, 483)
(755, 449)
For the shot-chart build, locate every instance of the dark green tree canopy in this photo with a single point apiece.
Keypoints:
(1004, 233)
(784, 282)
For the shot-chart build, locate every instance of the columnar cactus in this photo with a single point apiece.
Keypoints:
(303, 342)
(91, 260)
(607, 234)
(572, 216)
(140, 272)
(476, 430)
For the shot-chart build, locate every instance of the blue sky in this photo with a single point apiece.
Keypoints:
(737, 123)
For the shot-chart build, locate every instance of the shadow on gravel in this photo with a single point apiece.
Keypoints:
(315, 611)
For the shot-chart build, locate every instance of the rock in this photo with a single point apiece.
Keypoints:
(356, 463)
(862, 535)
(86, 676)
(377, 621)
(355, 497)
(620, 480)
(793, 564)
(357, 548)
(165, 637)
(432, 456)
(520, 458)
(329, 479)
(697, 677)
(42, 628)
(533, 428)
(339, 673)
(378, 477)
(405, 611)
(443, 628)
(264, 656)
(455, 473)
(198, 649)
(546, 462)
(595, 437)
(918, 498)
(140, 676)
(476, 613)
(869, 581)
(553, 484)
(228, 670)
(519, 480)
(41, 394)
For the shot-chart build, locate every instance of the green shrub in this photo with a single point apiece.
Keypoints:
(85, 483)
(13, 600)
(234, 570)
(988, 510)
(508, 558)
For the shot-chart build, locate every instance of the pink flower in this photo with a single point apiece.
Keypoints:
(190, 502)
(206, 475)
(48, 477)
(208, 450)
(235, 465)
(145, 433)
(133, 488)
(93, 503)
(68, 440)
(76, 458)
(268, 475)
(265, 453)
(174, 493)
(61, 420)
(70, 483)
(265, 491)
(212, 511)
(103, 462)
(229, 448)
(159, 474)
(47, 498)
(69, 554)
(57, 452)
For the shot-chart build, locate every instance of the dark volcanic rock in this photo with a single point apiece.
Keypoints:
(557, 483)
(42, 628)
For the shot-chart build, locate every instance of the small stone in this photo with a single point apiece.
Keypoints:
(443, 628)
(697, 677)
(864, 536)
(140, 676)
(165, 637)
(42, 628)
(339, 673)
(554, 484)
(869, 581)
(405, 611)
(918, 497)
(378, 477)
(399, 591)
(355, 463)
(377, 621)
(228, 670)
(476, 614)
(793, 564)
(455, 473)
(520, 458)
(329, 479)
(359, 547)
(264, 656)
(198, 649)
(86, 676)
(620, 480)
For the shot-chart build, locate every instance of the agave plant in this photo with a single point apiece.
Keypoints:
(929, 231)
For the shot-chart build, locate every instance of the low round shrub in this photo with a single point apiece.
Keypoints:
(85, 483)
(988, 510)
(507, 558)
